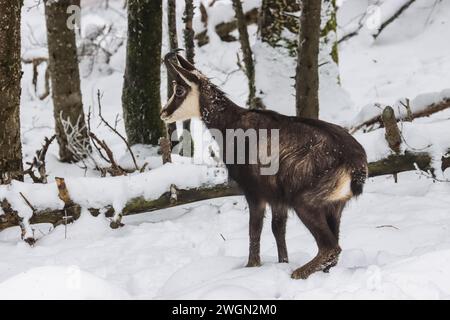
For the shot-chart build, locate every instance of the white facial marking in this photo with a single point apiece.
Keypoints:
(190, 108)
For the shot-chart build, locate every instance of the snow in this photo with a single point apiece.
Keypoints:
(395, 237)
(395, 240)
(53, 283)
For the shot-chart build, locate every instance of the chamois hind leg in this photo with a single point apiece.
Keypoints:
(257, 208)
(316, 221)
(279, 217)
(334, 214)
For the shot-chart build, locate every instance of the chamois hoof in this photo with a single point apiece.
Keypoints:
(283, 260)
(322, 262)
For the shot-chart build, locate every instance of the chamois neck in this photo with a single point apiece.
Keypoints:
(217, 110)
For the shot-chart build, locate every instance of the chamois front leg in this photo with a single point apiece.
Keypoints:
(257, 208)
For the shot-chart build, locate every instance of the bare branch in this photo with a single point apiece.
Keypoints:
(113, 129)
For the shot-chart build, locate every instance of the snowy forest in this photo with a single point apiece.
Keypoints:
(128, 130)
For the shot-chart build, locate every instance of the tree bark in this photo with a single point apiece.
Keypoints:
(307, 72)
(189, 35)
(392, 134)
(173, 44)
(247, 53)
(189, 31)
(65, 80)
(11, 166)
(141, 100)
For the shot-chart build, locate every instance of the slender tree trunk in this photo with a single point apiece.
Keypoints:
(141, 99)
(10, 74)
(189, 31)
(173, 44)
(247, 53)
(189, 35)
(70, 124)
(307, 72)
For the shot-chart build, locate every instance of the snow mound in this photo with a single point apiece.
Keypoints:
(58, 283)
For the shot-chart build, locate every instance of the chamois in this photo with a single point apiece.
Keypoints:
(320, 166)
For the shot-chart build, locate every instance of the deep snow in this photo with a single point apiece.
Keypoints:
(395, 237)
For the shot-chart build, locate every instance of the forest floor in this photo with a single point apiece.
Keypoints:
(395, 237)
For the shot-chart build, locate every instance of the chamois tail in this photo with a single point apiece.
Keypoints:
(358, 178)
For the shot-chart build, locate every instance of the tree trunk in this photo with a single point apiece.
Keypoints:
(141, 100)
(247, 53)
(11, 166)
(307, 72)
(173, 44)
(70, 124)
(329, 54)
(189, 34)
(189, 30)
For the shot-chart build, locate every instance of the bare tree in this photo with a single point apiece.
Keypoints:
(247, 54)
(141, 100)
(189, 35)
(307, 72)
(11, 166)
(173, 44)
(65, 79)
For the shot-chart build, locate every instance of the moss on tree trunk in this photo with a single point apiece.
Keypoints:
(275, 17)
(10, 74)
(141, 100)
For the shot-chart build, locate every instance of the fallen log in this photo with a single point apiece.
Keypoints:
(424, 112)
(72, 211)
(396, 163)
(393, 164)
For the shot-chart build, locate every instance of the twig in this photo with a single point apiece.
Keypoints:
(428, 174)
(27, 202)
(99, 98)
(115, 169)
(94, 143)
(387, 226)
(39, 163)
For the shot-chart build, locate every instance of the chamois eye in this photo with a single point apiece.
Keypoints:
(180, 91)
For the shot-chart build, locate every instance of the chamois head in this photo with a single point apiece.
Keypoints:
(185, 101)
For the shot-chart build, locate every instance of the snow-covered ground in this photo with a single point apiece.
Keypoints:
(395, 240)
(395, 237)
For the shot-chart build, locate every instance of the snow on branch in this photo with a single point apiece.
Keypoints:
(62, 201)
(423, 105)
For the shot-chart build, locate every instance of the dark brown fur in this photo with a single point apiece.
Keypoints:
(315, 158)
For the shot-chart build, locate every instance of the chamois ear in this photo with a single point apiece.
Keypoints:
(186, 74)
(185, 64)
